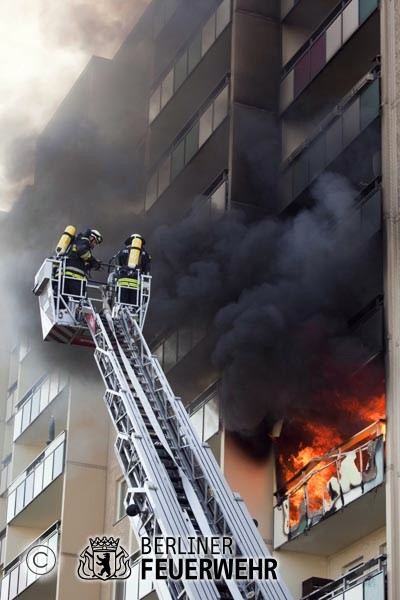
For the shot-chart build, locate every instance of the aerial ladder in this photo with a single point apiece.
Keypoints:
(175, 485)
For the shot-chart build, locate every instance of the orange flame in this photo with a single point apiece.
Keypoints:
(325, 438)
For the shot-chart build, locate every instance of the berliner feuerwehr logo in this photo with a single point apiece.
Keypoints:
(104, 559)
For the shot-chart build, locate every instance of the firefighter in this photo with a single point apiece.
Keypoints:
(80, 260)
(131, 261)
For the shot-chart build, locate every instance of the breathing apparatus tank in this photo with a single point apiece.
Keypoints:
(66, 240)
(136, 242)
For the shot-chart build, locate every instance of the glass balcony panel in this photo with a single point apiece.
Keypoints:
(48, 470)
(5, 584)
(318, 55)
(49, 389)
(54, 386)
(218, 201)
(350, 19)
(31, 577)
(164, 175)
(13, 591)
(23, 577)
(132, 584)
(300, 173)
(374, 588)
(170, 351)
(58, 461)
(334, 140)
(29, 488)
(167, 88)
(355, 593)
(369, 104)
(287, 88)
(159, 354)
(371, 215)
(211, 419)
(53, 543)
(180, 70)
(194, 54)
(223, 15)
(338, 597)
(208, 35)
(38, 484)
(26, 415)
(220, 107)
(11, 506)
(155, 104)
(317, 156)
(366, 8)
(17, 424)
(151, 192)
(35, 406)
(333, 37)
(351, 122)
(192, 142)
(301, 74)
(20, 495)
(196, 420)
(205, 125)
(184, 341)
(145, 587)
(178, 159)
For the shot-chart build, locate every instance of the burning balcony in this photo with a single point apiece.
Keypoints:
(341, 479)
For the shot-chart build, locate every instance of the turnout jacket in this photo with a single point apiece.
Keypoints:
(81, 258)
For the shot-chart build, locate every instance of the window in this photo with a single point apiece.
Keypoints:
(177, 345)
(5, 474)
(218, 200)
(122, 489)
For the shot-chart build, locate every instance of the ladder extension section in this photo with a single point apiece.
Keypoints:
(173, 478)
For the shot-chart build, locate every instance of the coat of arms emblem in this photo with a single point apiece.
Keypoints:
(104, 559)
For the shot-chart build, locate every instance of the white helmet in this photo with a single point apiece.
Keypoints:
(97, 235)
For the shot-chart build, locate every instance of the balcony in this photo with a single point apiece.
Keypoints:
(18, 577)
(327, 506)
(366, 582)
(33, 405)
(36, 481)
(339, 131)
(325, 45)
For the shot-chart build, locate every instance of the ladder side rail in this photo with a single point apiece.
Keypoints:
(239, 521)
(159, 487)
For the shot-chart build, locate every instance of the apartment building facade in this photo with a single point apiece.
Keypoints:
(210, 101)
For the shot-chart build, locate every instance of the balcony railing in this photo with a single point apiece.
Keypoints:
(30, 407)
(136, 587)
(336, 132)
(17, 575)
(39, 475)
(322, 46)
(330, 483)
(366, 582)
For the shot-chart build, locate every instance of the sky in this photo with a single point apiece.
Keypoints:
(44, 46)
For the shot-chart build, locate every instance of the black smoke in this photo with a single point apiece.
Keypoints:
(278, 295)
